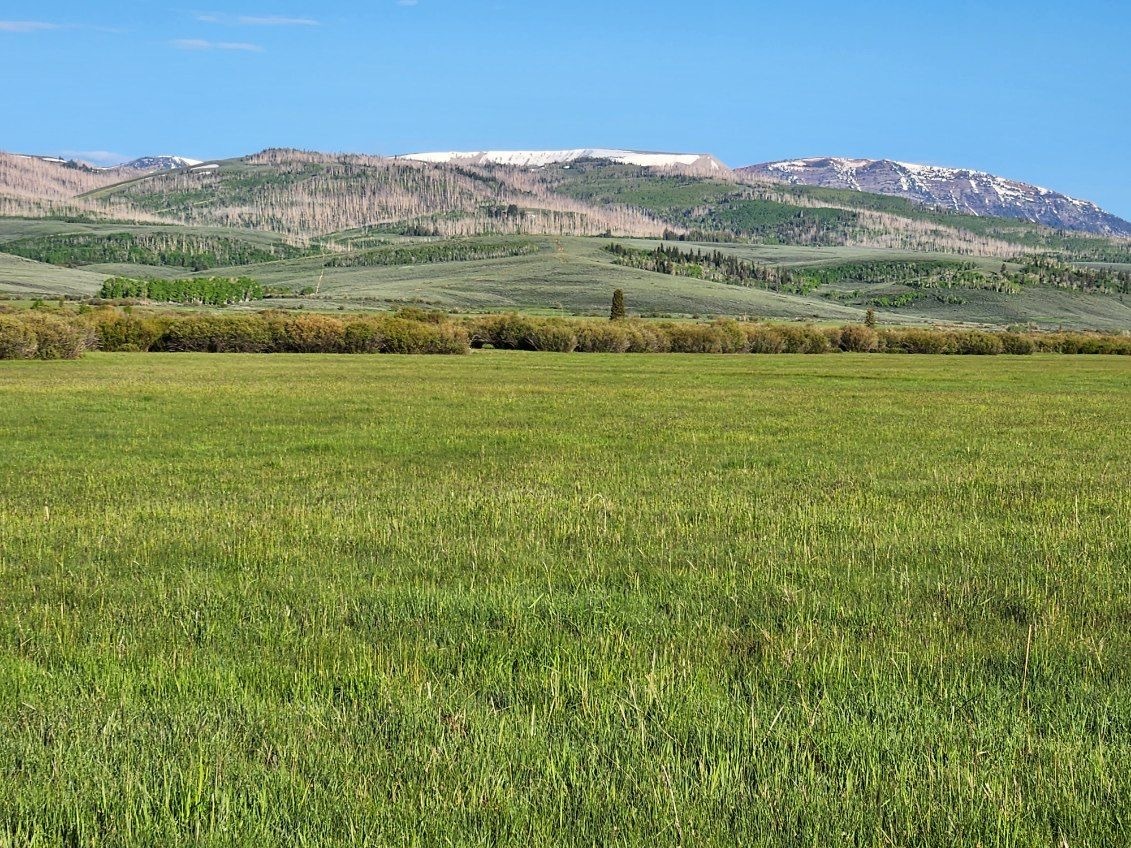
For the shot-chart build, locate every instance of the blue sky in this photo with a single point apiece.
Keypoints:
(1037, 91)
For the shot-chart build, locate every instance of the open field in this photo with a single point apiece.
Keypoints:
(529, 599)
(24, 278)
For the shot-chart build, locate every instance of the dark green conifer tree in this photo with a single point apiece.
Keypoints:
(617, 313)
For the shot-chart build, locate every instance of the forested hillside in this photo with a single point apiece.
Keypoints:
(309, 194)
(36, 187)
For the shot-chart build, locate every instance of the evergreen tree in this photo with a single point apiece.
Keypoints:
(617, 313)
(870, 318)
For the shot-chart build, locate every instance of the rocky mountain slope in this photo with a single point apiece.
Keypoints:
(955, 189)
(164, 162)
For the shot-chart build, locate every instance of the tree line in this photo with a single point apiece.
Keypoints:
(421, 254)
(915, 274)
(210, 291)
(181, 250)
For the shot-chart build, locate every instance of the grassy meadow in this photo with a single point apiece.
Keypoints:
(531, 599)
(560, 275)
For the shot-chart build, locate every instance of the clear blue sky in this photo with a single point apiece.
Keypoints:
(1038, 91)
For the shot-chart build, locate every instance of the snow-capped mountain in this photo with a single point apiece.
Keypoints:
(164, 162)
(957, 189)
(144, 164)
(542, 158)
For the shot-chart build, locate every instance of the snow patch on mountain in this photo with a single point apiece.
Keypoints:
(163, 162)
(544, 158)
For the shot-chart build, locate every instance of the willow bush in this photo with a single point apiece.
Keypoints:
(50, 335)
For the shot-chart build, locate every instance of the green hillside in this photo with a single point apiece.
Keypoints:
(789, 214)
(575, 276)
(22, 278)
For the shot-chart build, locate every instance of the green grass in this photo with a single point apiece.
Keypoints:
(566, 275)
(24, 278)
(512, 599)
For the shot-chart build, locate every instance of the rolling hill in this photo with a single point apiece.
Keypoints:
(533, 230)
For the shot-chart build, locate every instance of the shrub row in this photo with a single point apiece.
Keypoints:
(521, 332)
(277, 333)
(43, 335)
(35, 334)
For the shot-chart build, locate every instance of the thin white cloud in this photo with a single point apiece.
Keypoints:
(275, 20)
(26, 26)
(202, 44)
(95, 157)
(256, 20)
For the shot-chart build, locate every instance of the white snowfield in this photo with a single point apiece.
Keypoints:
(542, 158)
(183, 161)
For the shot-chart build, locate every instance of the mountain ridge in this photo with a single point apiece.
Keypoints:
(962, 190)
(541, 158)
(159, 162)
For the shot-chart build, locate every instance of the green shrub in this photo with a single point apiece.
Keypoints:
(978, 343)
(403, 336)
(856, 338)
(1092, 343)
(764, 338)
(427, 316)
(607, 337)
(56, 338)
(731, 335)
(720, 336)
(1016, 343)
(507, 332)
(17, 339)
(917, 341)
(363, 336)
(118, 332)
(311, 334)
(802, 339)
(693, 338)
(646, 338)
(555, 336)
(215, 334)
(448, 339)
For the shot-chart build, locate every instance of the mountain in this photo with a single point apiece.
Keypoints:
(696, 162)
(954, 189)
(164, 162)
(306, 194)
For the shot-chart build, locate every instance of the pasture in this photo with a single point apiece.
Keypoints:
(531, 599)
(559, 275)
